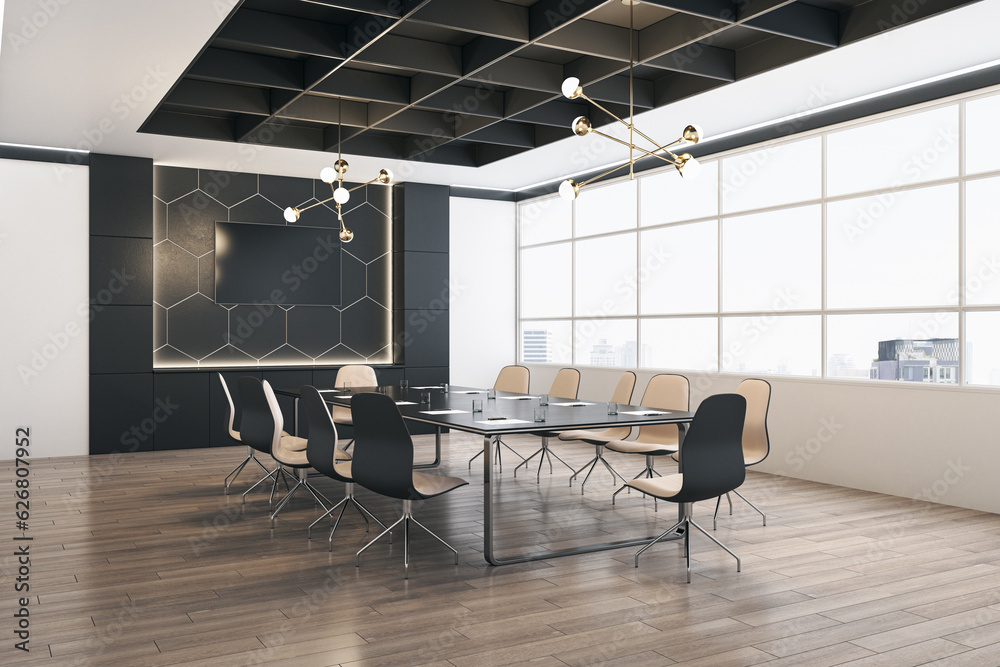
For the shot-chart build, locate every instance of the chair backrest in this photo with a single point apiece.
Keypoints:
(756, 444)
(358, 375)
(623, 390)
(322, 442)
(261, 421)
(566, 384)
(622, 395)
(383, 450)
(513, 379)
(233, 433)
(666, 392)
(712, 455)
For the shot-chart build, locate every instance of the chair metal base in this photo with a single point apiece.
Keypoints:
(686, 523)
(303, 482)
(598, 456)
(272, 475)
(349, 499)
(718, 501)
(238, 469)
(648, 471)
(496, 454)
(544, 451)
(406, 519)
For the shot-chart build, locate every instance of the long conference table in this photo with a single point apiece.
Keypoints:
(507, 414)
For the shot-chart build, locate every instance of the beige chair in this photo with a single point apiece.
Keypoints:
(756, 443)
(565, 385)
(513, 379)
(261, 425)
(597, 437)
(353, 376)
(712, 465)
(664, 392)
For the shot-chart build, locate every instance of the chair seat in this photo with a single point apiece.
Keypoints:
(636, 447)
(659, 487)
(547, 434)
(291, 451)
(344, 470)
(595, 436)
(429, 486)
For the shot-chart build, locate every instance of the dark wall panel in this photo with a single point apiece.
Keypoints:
(121, 418)
(425, 280)
(119, 340)
(421, 214)
(120, 192)
(427, 338)
(121, 271)
(181, 408)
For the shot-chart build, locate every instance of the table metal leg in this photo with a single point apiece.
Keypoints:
(437, 452)
(489, 551)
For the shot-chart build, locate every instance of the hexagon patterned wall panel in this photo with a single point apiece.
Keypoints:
(191, 330)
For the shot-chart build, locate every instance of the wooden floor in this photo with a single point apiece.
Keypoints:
(141, 559)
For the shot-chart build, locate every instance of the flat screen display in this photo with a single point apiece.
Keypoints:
(278, 264)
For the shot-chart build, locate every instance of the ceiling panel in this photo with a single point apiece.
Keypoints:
(469, 82)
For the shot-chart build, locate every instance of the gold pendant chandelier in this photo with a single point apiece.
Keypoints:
(685, 163)
(339, 194)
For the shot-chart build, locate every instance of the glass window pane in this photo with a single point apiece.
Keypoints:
(605, 343)
(982, 135)
(679, 272)
(772, 345)
(982, 242)
(545, 219)
(894, 346)
(916, 148)
(667, 197)
(546, 281)
(606, 208)
(605, 276)
(895, 249)
(773, 175)
(771, 261)
(547, 342)
(685, 343)
(982, 354)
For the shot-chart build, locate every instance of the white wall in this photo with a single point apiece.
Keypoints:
(940, 444)
(44, 267)
(482, 305)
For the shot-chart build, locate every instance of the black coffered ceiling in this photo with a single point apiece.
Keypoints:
(469, 82)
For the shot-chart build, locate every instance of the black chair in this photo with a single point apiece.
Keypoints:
(234, 434)
(256, 429)
(565, 385)
(329, 459)
(383, 463)
(711, 460)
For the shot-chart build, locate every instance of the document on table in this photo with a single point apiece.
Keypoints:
(437, 386)
(503, 420)
(571, 405)
(516, 398)
(405, 403)
(443, 412)
(470, 391)
(341, 396)
(644, 413)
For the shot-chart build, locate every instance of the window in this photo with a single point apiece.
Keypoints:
(762, 267)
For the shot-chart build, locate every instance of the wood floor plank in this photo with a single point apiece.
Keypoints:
(142, 560)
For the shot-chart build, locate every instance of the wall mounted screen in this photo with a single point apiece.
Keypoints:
(278, 264)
